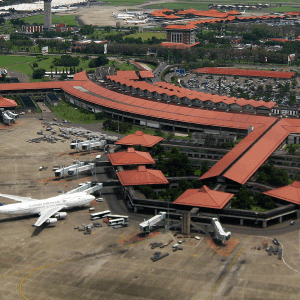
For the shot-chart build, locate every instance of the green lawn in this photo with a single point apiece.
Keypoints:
(23, 64)
(6, 60)
(39, 19)
(147, 35)
(127, 67)
(71, 113)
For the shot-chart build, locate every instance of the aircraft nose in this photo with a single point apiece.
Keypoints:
(92, 198)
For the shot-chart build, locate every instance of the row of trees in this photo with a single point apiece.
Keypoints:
(170, 193)
(121, 127)
(245, 199)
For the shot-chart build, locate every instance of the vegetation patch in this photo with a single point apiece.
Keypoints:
(70, 112)
(39, 19)
(147, 35)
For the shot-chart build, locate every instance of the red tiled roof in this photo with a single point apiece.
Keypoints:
(130, 157)
(290, 193)
(279, 40)
(178, 45)
(181, 27)
(234, 12)
(128, 74)
(140, 138)
(95, 94)
(188, 11)
(172, 90)
(246, 166)
(204, 197)
(146, 74)
(244, 72)
(158, 13)
(172, 17)
(5, 102)
(142, 176)
(225, 162)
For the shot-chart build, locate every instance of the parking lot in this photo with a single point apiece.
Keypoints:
(60, 262)
(238, 86)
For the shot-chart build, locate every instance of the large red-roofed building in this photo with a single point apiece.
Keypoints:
(180, 34)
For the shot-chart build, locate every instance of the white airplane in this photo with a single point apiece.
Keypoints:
(48, 209)
(243, 12)
(136, 21)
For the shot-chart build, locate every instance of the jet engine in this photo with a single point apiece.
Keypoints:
(51, 221)
(60, 215)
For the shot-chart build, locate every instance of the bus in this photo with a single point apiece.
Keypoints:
(117, 217)
(99, 215)
(114, 222)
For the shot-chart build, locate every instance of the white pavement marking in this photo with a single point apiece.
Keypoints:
(265, 237)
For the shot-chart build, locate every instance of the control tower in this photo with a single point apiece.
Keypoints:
(47, 14)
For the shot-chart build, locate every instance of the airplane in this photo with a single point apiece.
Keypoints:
(134, 12)
(48, 209)
(243, 12)
(136, 22)
(123, 17)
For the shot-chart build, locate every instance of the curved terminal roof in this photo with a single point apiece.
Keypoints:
(92, 93)
(172, 90)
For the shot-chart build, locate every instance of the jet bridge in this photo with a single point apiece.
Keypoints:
(220, 234)
(89, 145)
(7, 119)
(88, 187)
(79, 169)
(146, 226)
(77, 144)
(11, 114)
(64, 171)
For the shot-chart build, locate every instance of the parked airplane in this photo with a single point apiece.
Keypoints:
(136, 21)
(122, 16)
(134, 12)
(48, 209)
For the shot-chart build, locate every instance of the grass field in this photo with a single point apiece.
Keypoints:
(148, 35)
(127, 67)
(39, 19)
(71, 113)
(22, 64)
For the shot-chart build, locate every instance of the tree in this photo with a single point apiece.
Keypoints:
(66, 61)
(101, 60)
(38, 74)
(87, 30)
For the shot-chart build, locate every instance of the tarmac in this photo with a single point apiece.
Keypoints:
(59, 262)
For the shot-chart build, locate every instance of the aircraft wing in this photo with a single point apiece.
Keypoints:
(17, 198)
(46, 214)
